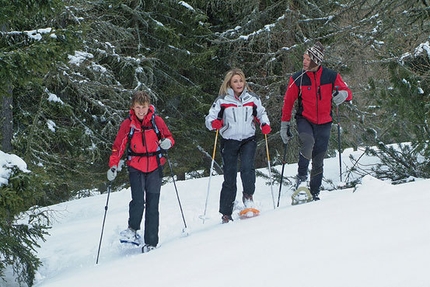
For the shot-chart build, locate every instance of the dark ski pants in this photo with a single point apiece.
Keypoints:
(145, 194)
(232, 151)
(314, 143)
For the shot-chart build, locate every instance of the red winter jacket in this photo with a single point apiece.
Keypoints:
(316, 89)
(143, 142)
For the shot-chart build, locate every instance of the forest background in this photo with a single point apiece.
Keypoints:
(68, 68)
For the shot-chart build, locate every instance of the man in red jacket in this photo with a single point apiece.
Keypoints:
(145, 134)
(315, 88)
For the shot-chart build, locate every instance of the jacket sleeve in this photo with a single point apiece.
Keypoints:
(164, 130)
(342, 86)
(213, 113)
(261, 113)
(120, 144)
(290, 98)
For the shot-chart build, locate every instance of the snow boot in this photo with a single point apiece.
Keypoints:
(315, 196)
(226, 218)
(146, 248)
(247, 200)
(130, 236)
(301, 180)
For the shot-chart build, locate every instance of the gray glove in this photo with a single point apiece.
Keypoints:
(286, 134)
(111, 173)
(165, 144)
(339, 97)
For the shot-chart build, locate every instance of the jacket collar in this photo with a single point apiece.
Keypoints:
(136, 123)
(230, 92)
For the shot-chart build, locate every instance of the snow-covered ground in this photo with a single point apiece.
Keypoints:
(376, 236)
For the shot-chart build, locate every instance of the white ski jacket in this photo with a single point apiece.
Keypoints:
(239, 115)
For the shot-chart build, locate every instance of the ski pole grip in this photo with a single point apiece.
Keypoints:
(336, 91)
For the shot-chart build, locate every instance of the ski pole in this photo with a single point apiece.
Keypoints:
(339, 143)
(282, 173)
(104, 220)
(203, 217)
(177, 194)
(270, 171)
(338, 135)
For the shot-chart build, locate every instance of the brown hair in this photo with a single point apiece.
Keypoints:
(226, 83)
(140, 98)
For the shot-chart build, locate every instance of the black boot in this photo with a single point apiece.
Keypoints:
(315, 196)
(226, 218)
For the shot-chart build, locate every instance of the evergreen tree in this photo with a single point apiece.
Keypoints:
(67, 114)
(22, 224)
(406, 109)
(30, 45)
(153, 46)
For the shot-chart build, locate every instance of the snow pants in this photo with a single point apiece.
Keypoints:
(314, 143)
(232, 151)
(145, 195)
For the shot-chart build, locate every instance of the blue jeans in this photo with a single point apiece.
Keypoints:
(232, 151)
(145, 193)
(314, 143)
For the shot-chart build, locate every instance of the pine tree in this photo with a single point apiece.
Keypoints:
(22, 225)
(67, 111)
(406, 110)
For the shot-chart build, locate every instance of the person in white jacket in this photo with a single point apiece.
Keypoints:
(234, 113)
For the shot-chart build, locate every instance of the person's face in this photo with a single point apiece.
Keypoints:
(141, 110)
(237, 84)
(307, 64)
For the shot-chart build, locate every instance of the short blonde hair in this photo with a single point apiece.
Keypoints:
(226, 83)
(140, 98)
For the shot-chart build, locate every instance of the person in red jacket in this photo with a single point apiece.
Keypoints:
(315, 88)
(144, 135)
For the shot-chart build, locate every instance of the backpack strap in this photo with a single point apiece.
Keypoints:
(154, 125)
(157, 131)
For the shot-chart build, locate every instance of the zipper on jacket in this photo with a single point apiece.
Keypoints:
(317, 97)
(145, 145)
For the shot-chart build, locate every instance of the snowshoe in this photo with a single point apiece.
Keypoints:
(130, 236)
(301, 195)
(248, 213)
